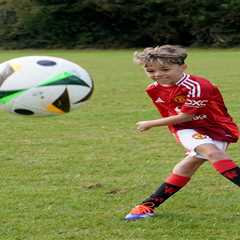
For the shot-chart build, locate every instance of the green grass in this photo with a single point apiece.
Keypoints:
(74, 177)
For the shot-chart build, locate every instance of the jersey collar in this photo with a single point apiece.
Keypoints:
(184, 77)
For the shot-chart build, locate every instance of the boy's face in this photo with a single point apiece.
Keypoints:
(167, 74)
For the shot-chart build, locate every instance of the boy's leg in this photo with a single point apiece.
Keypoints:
(179, 177)
(220, 161)
(214, 151)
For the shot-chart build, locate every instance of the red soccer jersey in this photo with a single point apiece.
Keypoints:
(195, 95)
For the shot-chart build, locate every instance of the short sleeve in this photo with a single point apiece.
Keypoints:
(197, 100)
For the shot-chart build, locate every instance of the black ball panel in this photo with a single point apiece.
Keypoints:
(24, 111)
(46, 63)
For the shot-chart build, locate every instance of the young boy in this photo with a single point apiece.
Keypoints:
(194, 110)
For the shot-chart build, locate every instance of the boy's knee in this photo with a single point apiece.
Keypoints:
(211, 152)
(215, 155)
(187, 166)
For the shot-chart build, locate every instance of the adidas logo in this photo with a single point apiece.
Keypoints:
(159, 100)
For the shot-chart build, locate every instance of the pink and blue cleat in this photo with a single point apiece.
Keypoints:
(139, 212)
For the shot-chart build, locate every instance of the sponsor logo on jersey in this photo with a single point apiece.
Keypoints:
(199, 117)
(159, 100)
(180, 99)
(199, 136)
(196, 103)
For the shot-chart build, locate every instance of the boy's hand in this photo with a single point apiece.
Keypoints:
(175, 119)
(143, 126)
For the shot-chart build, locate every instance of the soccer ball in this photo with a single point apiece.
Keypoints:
(43, 85)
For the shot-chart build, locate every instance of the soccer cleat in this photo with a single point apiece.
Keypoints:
(140, 211)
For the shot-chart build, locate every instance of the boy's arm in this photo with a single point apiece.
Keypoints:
(180, 118)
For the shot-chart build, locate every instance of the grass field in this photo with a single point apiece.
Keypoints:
(75, 177)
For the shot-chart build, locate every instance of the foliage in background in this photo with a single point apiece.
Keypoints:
(119, 23)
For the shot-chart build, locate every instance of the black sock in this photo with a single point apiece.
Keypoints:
(171, 185)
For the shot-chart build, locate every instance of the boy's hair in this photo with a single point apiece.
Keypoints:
(165, 54)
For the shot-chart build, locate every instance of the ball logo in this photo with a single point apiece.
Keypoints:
(199, 136)
(180, 99)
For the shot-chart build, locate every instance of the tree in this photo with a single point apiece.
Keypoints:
(119, 23)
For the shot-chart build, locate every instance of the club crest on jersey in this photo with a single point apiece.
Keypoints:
(199, 136)
(180, 99)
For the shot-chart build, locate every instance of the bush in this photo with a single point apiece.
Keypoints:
(119, 23)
